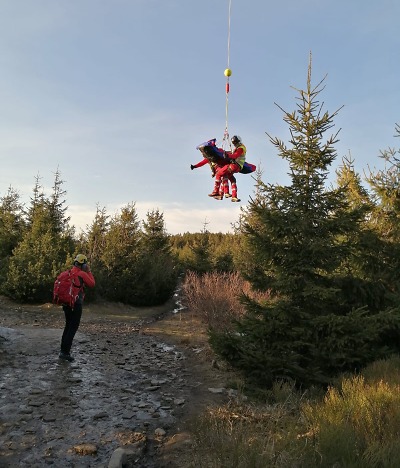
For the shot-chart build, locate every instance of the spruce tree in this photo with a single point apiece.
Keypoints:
(367, 263)
(154, 235)
(12, 226)
(120, 256)
(385, 185)
(157, 268)
(347, 178)
(299, 237)
(92, 242)
(385, 218)
(58, 209)
(44, 248)
(95, 236)
(200, 260)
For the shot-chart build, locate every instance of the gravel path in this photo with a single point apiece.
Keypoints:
(116, 405)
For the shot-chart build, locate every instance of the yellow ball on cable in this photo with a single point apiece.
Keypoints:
(228, 72)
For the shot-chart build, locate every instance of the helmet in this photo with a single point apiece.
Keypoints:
(80, 258)
(236, 139)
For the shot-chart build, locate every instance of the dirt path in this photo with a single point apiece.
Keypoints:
(138, 377)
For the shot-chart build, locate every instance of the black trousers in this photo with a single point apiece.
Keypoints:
(72, 321)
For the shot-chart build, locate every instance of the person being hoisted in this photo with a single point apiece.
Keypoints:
(224, 188)
(237, 159)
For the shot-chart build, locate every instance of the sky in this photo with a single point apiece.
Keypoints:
(117, 94)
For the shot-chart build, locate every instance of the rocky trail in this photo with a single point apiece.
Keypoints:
(137, 379)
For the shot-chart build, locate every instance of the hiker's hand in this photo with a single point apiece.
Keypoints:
(191, 167)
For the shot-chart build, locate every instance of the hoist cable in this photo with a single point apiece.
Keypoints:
(229, 31)
(227, 74)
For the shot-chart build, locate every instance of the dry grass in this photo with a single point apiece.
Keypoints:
(240, 435)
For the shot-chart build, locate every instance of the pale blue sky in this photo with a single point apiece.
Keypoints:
(118, 93)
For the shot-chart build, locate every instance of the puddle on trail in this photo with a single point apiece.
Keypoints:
(179, 307)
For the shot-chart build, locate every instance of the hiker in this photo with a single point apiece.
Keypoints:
(82, 277)
(236, 161)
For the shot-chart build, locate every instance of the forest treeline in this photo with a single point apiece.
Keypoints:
(135, 261)
(328, 255)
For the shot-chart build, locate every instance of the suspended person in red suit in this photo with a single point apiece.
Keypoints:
(224, 189)
(237, 160)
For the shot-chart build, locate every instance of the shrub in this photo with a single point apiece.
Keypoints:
(216, 297)
(356, 425)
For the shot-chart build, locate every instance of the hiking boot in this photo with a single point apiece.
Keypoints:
(234, 199)
(218, 197)
(66, 357)
(214, 194)
(228, 195)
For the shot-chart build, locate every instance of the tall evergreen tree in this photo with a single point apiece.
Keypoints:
(154, 236)
(367, 260)
(385, 184)
(200, 260)
(357, 194)
(314, 325)
(385, 218)
(57, 207)
(44, 248)
(95, 236)
(12, 226)
(120, 255)
(92, 242)
(156, 264)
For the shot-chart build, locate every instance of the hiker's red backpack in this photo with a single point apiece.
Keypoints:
(66, 288)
